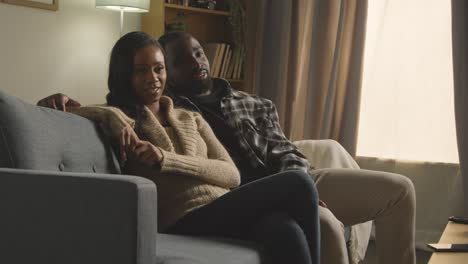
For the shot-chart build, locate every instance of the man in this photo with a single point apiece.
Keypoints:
(249, 129)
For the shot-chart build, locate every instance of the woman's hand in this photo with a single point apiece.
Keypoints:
(323, 204)
(132, 147)
(128, 140)
(146, 153)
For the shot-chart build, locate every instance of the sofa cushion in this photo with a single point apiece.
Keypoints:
(33, 137)
(175, 260)
(189, 249)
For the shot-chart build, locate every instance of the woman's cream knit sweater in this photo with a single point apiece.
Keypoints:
(196, 169)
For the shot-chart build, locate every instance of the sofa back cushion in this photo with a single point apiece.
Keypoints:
(33, 137)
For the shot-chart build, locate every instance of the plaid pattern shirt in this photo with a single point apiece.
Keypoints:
(254, 121)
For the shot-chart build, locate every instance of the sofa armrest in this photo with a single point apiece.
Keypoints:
(326, 153)
(58, 217)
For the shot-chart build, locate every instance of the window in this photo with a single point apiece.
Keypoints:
(407, 109)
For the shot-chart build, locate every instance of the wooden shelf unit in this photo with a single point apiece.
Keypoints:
(205, 24)
(235, 80)
(197, 10)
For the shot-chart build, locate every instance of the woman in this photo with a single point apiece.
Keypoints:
(197, 180)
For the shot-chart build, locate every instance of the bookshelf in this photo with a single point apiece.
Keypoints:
(196, 10)
(208, 26)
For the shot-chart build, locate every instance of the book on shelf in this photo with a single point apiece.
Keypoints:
(214, 64)
(222, 57)
(230, 67)
(226, 72)
(225, 60)
(236, 64)
(241, 63)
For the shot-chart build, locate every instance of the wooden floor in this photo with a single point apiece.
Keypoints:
(453, 234)
(422, 257)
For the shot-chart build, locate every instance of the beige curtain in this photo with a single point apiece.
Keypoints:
(460, 75)
(307, 57)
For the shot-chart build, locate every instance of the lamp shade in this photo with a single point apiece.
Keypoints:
(137, 6)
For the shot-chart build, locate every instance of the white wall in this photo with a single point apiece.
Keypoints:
(44, 52)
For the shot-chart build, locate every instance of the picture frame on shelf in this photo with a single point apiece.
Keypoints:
(42, 4)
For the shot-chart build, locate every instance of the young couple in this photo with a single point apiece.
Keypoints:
(276, 204)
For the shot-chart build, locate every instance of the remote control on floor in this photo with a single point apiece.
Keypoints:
(459, 220)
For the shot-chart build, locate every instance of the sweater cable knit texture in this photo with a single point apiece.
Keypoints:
(196, 169)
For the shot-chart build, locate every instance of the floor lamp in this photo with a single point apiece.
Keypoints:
(134, 6)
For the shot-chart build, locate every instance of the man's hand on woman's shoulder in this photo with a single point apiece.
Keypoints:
(58, 101)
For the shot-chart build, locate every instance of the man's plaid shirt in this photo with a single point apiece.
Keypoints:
(254, 121)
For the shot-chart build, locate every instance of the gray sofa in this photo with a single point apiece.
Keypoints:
(63, 199)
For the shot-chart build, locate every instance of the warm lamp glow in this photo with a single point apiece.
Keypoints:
(136, 6)
(124, 8)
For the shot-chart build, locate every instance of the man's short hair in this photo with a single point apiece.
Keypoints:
(171, 37)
